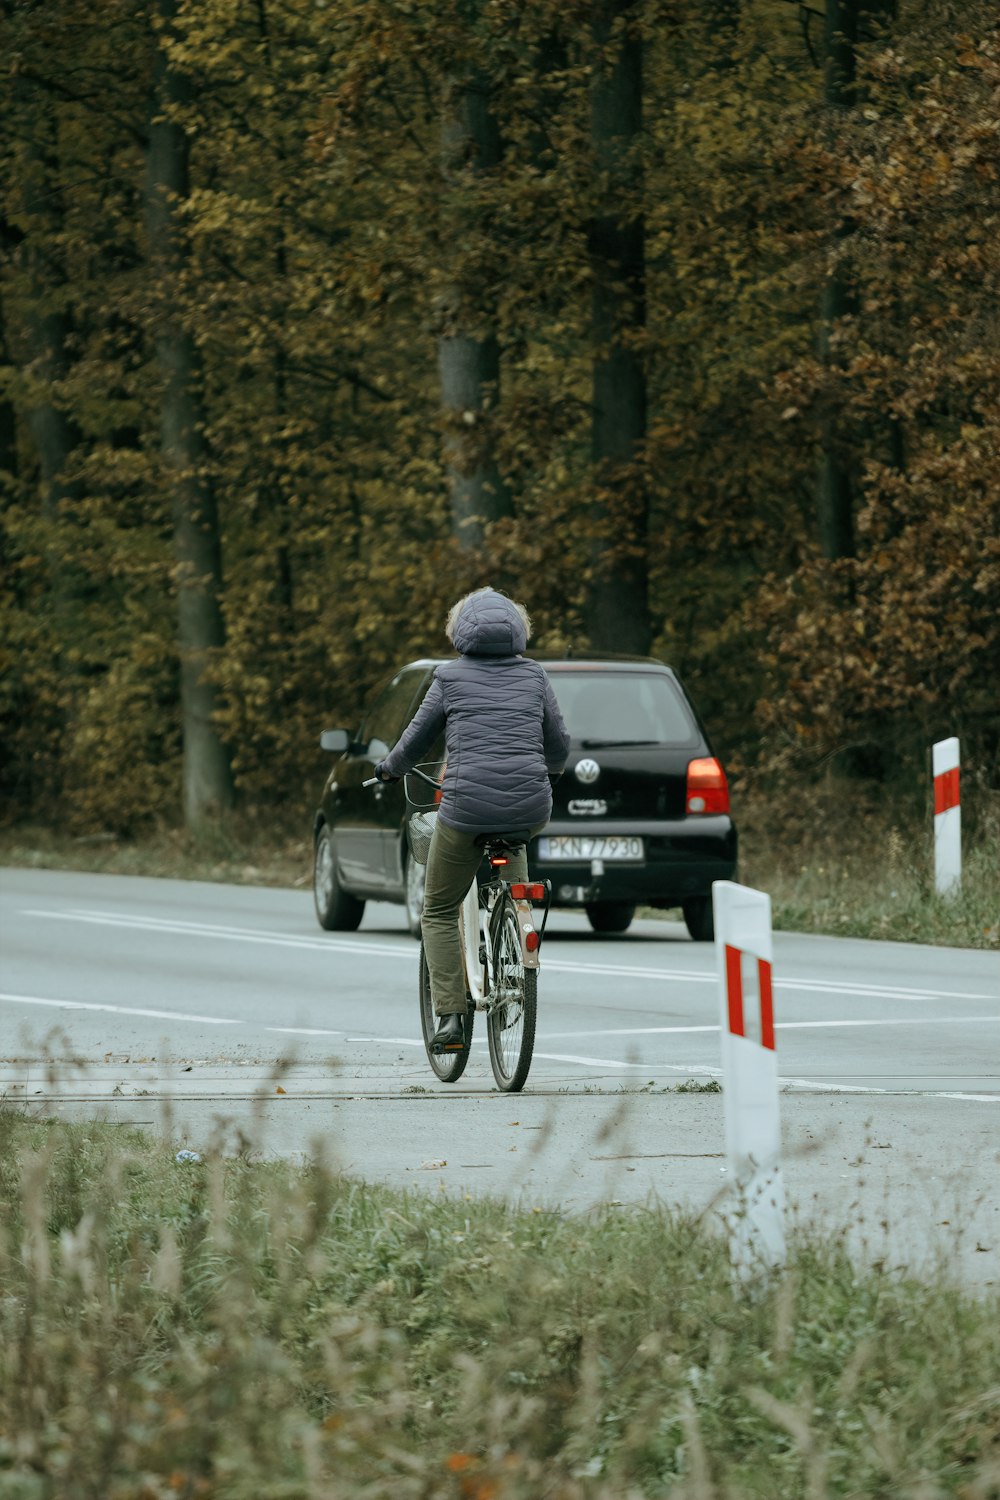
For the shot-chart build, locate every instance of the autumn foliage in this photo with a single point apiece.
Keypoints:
(328, 245)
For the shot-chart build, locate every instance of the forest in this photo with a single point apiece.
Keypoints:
(676, 319)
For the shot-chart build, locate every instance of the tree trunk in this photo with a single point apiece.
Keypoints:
(283, 583)
(48, 322)
(847, 23)
(8, 424)
(723, 19)
(208, 786)
(617, 599)
(468, 351)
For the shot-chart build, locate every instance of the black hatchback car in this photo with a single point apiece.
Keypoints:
(640, 815)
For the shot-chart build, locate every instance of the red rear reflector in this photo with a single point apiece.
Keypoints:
(521, 892)
(531, 941)
(707, 788)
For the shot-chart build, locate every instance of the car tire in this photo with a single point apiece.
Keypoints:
(337, 909)
(610, 916)
(413, 888)
(699, 918)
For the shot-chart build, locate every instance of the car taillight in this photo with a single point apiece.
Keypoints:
(707, 787)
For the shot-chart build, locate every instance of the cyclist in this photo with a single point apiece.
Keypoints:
(504, 739)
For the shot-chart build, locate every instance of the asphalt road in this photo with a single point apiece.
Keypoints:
(231, 1001)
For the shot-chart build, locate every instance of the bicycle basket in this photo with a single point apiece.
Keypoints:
(419, 831)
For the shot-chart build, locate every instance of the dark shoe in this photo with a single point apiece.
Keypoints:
(450, 1034)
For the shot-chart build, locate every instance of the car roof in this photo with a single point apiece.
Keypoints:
(600, 660)
(593, 660)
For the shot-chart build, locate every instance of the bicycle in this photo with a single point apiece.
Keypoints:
(500, 951)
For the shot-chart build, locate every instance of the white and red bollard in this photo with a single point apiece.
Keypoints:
(947, 818)
(755, 1216)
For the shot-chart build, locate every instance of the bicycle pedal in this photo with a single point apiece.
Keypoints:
(450, 1042)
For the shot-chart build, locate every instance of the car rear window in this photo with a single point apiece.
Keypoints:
(625, 708)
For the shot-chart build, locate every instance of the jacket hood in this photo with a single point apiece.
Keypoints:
(489, 625)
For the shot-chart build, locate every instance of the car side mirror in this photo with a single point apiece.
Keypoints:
(335, 740)
(377, 750)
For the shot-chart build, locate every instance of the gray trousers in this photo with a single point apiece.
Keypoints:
(452, 863)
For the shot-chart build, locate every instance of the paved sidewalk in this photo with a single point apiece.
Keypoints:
(909, 1181)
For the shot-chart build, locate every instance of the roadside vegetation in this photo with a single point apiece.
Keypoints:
(226, 1328)
(844, 857)
(663, 315)
(855, 859)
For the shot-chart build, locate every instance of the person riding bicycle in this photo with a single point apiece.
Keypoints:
(504, 739)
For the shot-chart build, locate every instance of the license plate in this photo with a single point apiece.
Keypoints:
(586, 846)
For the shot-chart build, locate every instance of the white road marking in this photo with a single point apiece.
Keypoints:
(390, 1041)
(613, 1065)
(226, 934)
(119, 1010)
(304, 1030)
(403, 949)
(604, 1064)
(565, 1036)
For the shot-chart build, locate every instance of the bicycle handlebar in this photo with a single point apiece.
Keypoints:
(377, 780)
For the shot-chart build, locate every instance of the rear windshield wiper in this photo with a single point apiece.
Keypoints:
(614, 744)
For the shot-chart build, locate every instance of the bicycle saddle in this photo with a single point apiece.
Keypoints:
(504, 841)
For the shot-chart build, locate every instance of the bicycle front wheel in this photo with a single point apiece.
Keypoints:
(448, 1066)
(510, 1024)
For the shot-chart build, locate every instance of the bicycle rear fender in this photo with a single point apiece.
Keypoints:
(468, 922)
(525, 925)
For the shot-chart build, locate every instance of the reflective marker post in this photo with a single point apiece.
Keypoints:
(749, 1076)
(947, 818)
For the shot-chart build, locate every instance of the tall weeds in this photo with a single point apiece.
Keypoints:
(230, 1329)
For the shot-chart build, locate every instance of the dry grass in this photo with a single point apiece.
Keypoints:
(241, 852)
(256, 1331)
(851, 860)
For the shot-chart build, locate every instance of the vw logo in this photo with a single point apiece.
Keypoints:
(587, 771)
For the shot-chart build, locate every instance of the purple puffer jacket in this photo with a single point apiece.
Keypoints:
(503, 730)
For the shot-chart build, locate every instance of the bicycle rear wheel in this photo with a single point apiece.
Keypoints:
(448, 1066)
(510, 1024)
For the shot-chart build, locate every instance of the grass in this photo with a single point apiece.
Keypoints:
(869, 875)
(239, 852)
(851, 860)
(258, 1331)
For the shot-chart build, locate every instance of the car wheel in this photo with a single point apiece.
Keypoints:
(337, 909)
(610, 916)
(414, 875)
(699, 918)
